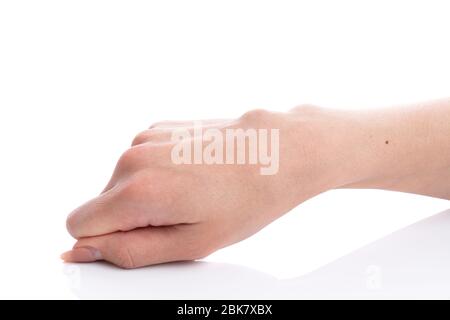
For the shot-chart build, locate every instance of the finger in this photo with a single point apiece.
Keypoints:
(160, 133)
(141, 247)
(153, 135)
(133, 159)
(122, 208)
(111, 183)
(97, 216)
(177, 124)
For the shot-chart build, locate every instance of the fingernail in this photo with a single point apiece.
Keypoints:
(82, 254)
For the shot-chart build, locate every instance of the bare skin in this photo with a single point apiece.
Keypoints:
(154, 211)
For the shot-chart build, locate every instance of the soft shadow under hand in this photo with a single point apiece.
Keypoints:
(410, 263)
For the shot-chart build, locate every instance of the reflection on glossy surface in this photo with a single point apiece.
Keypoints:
(411, 263)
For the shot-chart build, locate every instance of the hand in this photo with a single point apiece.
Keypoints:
(154, 211)
(157, 210)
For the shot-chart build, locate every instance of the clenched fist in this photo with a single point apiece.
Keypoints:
(158, 209)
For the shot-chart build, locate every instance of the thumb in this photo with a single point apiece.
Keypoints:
(139, 247)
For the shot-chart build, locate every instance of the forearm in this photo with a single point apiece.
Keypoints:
(404, 149)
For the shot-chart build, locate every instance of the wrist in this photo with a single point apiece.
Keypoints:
(333, 145)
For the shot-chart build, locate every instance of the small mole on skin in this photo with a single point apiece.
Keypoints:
(386, 142)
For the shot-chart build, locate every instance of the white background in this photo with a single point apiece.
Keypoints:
(78, 79)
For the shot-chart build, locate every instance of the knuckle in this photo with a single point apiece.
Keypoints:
(159, 124)
(130, 157)
(150, 135)
(307, 109)
(140, 138)
(256, 115)
(71, 226)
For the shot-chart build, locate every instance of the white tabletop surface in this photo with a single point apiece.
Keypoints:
(302, 255)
